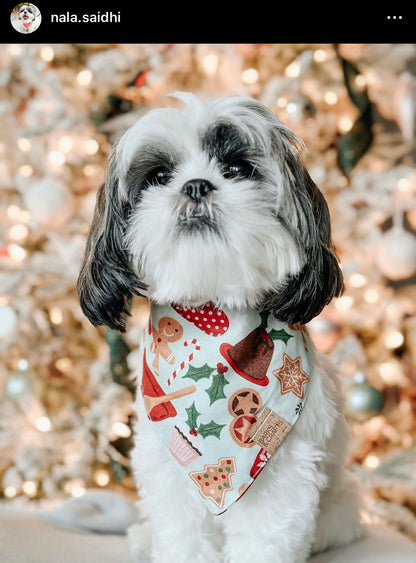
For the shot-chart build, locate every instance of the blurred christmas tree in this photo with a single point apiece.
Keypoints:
(65, 387)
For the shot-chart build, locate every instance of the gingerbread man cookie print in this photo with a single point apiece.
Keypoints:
(168, 331)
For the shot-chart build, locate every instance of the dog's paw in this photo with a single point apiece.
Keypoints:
(139, 540)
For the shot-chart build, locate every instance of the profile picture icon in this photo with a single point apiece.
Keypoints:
(25, 17)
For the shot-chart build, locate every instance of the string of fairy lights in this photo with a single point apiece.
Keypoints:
(66, 149)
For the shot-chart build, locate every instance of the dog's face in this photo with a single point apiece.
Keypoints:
(26, 14)
(209, 204)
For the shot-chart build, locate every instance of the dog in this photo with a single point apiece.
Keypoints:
(210, 213)
(27, 20)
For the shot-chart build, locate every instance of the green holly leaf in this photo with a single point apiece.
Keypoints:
(202, 372)
(216, 390)
(280, 335)
(192, 416)
(210, 429)
(264, 315)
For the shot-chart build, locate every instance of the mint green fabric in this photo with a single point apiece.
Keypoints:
(223, 389)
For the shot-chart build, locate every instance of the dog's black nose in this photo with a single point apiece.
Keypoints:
(197, 189)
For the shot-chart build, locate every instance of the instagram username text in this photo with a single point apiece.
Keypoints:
(98, 17)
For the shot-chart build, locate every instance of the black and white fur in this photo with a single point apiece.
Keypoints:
(213, 203)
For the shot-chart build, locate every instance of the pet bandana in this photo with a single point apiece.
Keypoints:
(223, 389)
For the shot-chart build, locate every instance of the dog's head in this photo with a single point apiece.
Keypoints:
(26, 13)
(212, 203)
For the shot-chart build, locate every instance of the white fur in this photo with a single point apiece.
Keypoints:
(304, 500)
(189, 269)
(254, 251)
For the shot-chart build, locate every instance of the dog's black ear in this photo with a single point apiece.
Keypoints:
(106, 283)
(306, 215)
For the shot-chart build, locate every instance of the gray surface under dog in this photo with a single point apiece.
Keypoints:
(26, 538)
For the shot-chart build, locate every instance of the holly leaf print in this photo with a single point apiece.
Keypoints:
(210, 429)
(280, 335)
(203, 372)
(216, 389)
(192, 416)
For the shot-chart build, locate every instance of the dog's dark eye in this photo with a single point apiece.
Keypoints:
(239, 169)
(159, 176)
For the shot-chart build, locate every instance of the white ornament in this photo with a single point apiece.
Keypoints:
(405, 105)
(49, 201)
(8, 321)
(110, 65)
(396, 254)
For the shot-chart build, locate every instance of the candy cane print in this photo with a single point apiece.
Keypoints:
(196, 347)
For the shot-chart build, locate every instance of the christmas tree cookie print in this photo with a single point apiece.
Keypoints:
(214, 481)
(251, 357)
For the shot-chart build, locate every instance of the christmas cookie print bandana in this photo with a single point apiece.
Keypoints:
(223, 390)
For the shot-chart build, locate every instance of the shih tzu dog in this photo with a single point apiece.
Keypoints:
(27, 20)
(240, 440)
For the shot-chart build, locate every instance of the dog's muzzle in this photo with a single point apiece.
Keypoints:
(197, 213)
